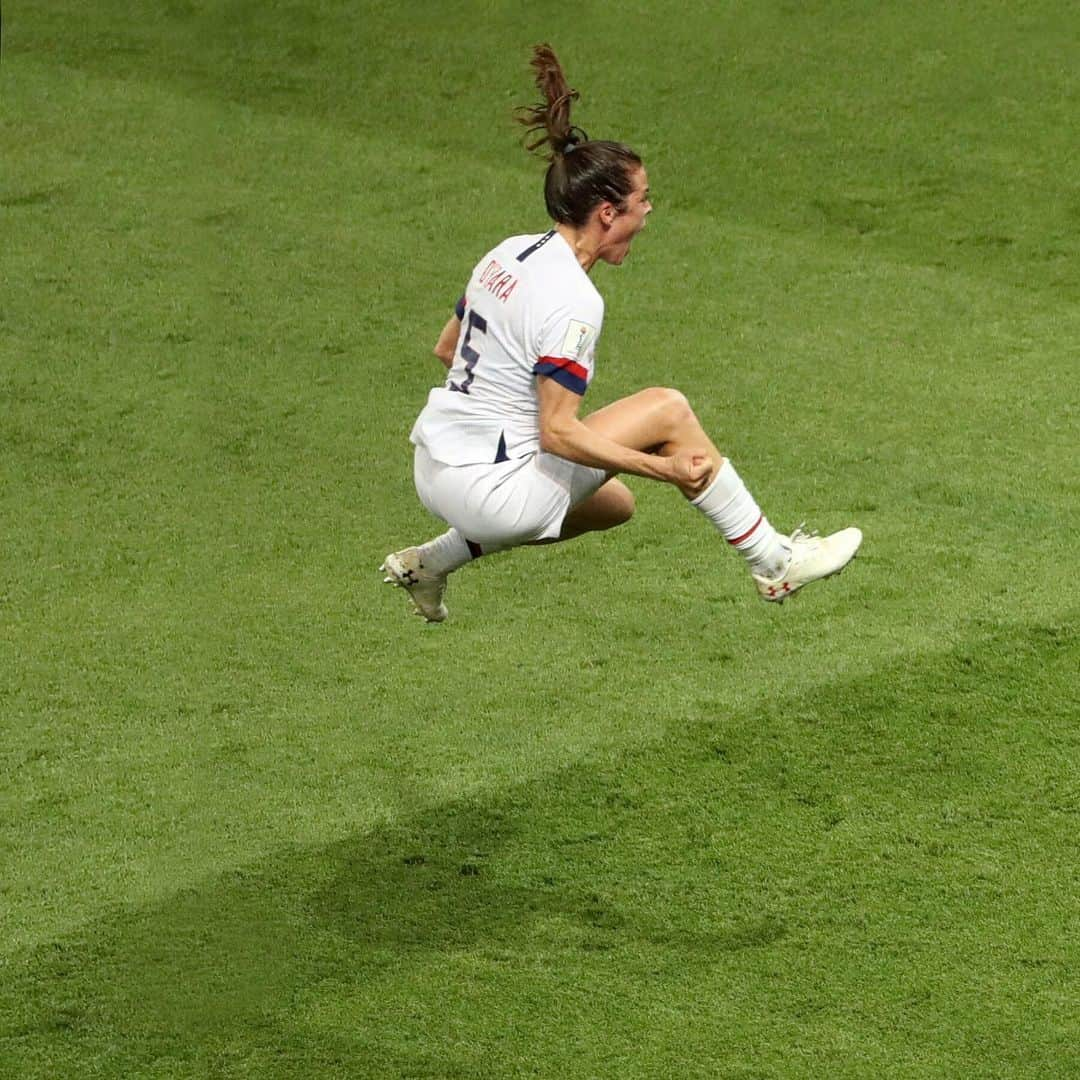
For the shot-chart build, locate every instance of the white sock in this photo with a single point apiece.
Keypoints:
(731, 508)
(446, 553)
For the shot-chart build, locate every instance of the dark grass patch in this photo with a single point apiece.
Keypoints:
(39, 197)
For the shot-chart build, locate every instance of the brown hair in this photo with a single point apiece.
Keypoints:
(582, 172)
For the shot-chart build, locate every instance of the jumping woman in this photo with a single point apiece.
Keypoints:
(501, 453)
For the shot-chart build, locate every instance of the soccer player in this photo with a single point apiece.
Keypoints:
(501, 453)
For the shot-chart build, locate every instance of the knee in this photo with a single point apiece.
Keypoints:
(615, 506)
(622, 509)
(671, 403)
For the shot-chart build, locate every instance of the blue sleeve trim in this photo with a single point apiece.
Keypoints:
(563, 377)
(459, 308)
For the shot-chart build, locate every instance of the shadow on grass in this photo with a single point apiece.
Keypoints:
(563, 866)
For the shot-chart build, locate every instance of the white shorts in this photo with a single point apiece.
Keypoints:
(507, 503)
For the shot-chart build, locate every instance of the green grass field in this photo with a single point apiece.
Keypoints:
(616, 818)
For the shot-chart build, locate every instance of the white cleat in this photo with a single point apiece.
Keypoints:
(425, 588)
(812, 558)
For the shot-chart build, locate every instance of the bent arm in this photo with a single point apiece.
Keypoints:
(446, 346)
(564, 434)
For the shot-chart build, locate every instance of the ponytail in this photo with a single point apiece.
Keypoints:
(550, 119)
(582, 173)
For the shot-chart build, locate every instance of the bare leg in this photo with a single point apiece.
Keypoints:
(611, 505)
(657, 420)
(661, 421)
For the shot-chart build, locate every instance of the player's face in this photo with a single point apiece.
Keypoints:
(628, 221)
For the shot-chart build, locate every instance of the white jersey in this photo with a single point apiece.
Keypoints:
(529, 309)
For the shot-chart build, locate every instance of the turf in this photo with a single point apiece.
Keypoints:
(615, 818)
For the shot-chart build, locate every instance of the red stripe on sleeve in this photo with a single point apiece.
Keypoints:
(571, 366)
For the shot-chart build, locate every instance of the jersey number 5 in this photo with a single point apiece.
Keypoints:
(468, 353)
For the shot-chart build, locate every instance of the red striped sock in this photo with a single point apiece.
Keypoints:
(731, 508)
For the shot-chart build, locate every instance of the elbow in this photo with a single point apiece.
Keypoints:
(444, 354)
(553, 441)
